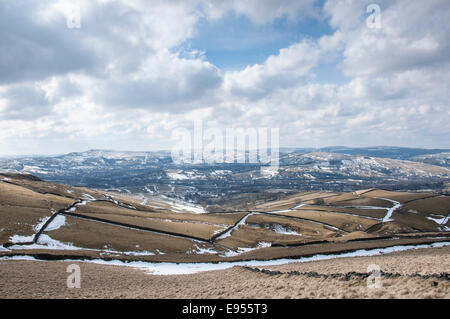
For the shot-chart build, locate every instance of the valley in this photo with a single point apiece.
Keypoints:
(51, 221)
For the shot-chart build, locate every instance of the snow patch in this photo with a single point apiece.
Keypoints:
(177, 176)
(284, 230)
(21, 239)
(183, 206)
(239, 251)
(49, 243)
(56, 223)
(441, 221)
(241, 222)
(191, 268)
(387, 217)
(202, 251)
(87, 196)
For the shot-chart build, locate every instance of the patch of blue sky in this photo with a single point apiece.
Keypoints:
(234, 41)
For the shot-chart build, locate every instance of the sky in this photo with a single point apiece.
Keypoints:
(98, 74)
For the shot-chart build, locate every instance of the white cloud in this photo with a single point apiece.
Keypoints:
(121, 80)
(286, 69)
(164, 82)
(261, 11)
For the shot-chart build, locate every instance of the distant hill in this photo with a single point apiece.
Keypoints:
(331, 169)
(404, 153)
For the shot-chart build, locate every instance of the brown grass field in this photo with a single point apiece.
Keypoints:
(409, 274)
(57, 222)
(123, 225)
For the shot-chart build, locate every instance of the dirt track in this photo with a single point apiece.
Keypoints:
(33, 279)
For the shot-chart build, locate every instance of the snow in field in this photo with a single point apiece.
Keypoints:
(284, 230)
(239, 251)
(191, 268)
(191, 208)
(111, 198)
(56, 223)
(82, 203)
(177, 176)
(241, 222)
(21, 239)
(280, 211)
(269, 172)
(89, 197)
(391, 210)
(442, 221)
(277, 228)
(202, 251)
(148, 190)
(220, 230)
(137, 253)
(46, 242)
(54, 244)
(439, 221)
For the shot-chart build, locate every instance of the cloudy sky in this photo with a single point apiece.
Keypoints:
(323, 72)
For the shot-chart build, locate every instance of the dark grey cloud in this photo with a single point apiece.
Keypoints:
(32, 49)
(162, 93)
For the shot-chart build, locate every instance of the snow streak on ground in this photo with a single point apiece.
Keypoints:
(441, 221)
(89, 197)
(284, 230)
(44, 242)
(241, 222)
(386, 218)
(191, 268)
(241, 250)
(182, 206)
(21, 239)
(391, 210)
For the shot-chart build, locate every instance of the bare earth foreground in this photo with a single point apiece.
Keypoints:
(422, 273)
